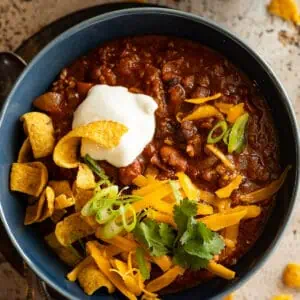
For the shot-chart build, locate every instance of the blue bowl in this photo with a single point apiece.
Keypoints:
(37, 78)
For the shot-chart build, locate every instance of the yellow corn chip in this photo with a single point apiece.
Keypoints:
(25, 153)
(63, 194)
(71, 229)
(39, 128)
(90, 220)
(62, 202)
(42, 209)
(61, 187)
(67, 254)
(58, 215)
(85, 178)
(81, 197)
(28, 178)
(91, 279)
(106, 134)
(72, 276)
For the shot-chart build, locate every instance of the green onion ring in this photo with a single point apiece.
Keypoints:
(123, 211)
(111, 229)
(226, 136)
(223, 126)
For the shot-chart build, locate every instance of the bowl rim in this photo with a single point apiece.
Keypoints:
(200, 20)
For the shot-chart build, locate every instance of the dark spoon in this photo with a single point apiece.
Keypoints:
(11, 66)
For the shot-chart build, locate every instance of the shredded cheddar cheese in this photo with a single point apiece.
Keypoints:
(235, 112)
(225, 219)
(204, 100)
(221, 156)
(220, 270)
(164, 280)
(226, 191)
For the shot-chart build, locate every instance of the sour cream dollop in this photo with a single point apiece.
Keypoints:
(135, 111)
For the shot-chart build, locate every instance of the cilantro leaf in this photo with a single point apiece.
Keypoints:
(158, 238)
(167, 234)
(191, 231)
(182, 212)
(193, 247)
(215, 244)
(185, 260)
(205, 233)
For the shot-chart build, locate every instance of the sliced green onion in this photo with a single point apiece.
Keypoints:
(213, 140)
(104, 198)
(106, 214)
(175, 189)
(124, 211)
(237, 134)
(95, 167)
(141, 261)
(111, 229)
(226, 136)
(101, 182)
(87, 210)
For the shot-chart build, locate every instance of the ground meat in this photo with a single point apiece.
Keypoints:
(256, 169)
(208, 162)
(177, 96)
(207, 123)
(171, 69)
(107, 76)
(127, 174)
(165, 128)
(203, 81)
(149, 150)
(156, 161)
(128, 64)
(173, 158)
(188, 129)
(188, 82)
(209, 174)
(194, 147)
(154, 87)
(200, 92)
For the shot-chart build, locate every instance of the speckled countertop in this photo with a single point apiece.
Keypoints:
(277, 41)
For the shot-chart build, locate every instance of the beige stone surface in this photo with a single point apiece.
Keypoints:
(277, 41)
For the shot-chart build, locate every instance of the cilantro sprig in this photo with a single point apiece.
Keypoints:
(193, 245)
(157, 237)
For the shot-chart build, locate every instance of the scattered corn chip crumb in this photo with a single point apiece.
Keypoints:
(229, 297)
(286, 9)
(291, 275)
